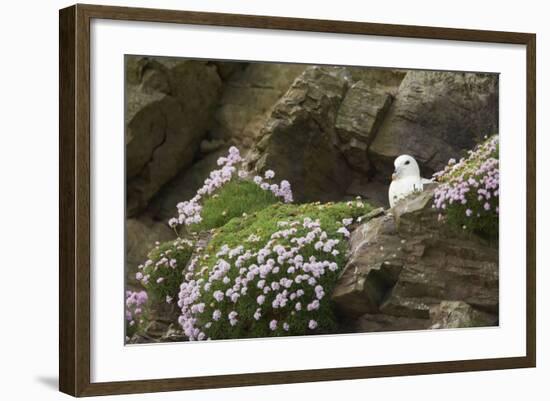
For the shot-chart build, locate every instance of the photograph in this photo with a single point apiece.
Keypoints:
(270, 199)
(264, 200)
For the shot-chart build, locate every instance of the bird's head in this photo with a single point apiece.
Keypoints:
(405, 166)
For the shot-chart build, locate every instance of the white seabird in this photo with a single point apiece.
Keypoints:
(405, 179)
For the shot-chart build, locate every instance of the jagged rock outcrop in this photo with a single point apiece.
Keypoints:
(377, 115)
(299, 140)
(408, 270)
(359, 117)
(247, 100)
(170, 104)
(436, 116)
(362, 124)
(362, 112)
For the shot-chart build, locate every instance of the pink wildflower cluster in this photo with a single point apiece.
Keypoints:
(135, 305)
(274, 288)
(469, 188)
(189, 212)
(281, 190)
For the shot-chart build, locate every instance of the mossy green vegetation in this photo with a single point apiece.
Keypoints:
(266, 221)
(234, 199)
(269, 273)
(161, 274)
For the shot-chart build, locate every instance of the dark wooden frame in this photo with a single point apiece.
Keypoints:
(74, 176)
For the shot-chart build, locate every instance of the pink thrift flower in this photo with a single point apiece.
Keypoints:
(257, 314)
(218, 295)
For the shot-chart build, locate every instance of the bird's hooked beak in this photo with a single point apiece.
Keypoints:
(394, 175)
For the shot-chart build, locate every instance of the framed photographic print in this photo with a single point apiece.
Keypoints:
(251, 200)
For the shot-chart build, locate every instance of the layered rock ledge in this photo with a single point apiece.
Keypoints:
(408, 270)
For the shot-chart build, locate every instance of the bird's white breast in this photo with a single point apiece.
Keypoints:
(402, 187)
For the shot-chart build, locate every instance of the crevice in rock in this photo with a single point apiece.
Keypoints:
(381, 282)
(156, 148)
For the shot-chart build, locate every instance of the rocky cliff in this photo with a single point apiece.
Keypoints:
(333, 132)
(408, 270)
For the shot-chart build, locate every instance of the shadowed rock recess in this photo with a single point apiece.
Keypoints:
(333, 133)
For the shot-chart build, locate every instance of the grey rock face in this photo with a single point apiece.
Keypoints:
(456, 314)
(359, 118)
(294, 116)
(436, 116)
(299, 140)
(248, 99)
(407, 265)
(169, 108)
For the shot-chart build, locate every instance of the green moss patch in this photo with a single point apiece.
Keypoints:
(233, 200)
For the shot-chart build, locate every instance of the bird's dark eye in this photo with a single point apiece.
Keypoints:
(407, 162)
